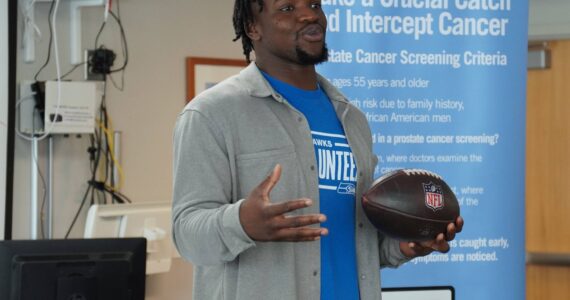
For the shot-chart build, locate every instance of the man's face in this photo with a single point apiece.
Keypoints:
(290, 30)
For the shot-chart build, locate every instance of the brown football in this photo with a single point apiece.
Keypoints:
(410, 204)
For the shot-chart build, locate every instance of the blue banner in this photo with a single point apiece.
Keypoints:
(442, 84)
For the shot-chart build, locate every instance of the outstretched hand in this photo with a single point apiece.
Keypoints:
(440, 243)
(266, 221)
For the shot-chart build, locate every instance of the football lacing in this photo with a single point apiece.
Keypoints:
(421, 172)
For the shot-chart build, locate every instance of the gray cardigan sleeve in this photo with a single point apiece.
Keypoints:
(206, 227)
(389, 249)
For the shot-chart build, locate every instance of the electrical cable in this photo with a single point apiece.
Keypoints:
(101, 197)
(17, 119)
(108, 144)
(102, 116)
(99, 34)
(113, 163)
(53, 35)
(123, 197)
(122, 87)
(51, 9)
(94, 158)
(104, 158)
(57, 68)
(123, 41)
(124, 48)
(44, 185)
(71, 71)
(105, 132)
(96, 166)
(89, 187)
(113, 158)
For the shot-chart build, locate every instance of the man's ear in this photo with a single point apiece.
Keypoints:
(253, 31)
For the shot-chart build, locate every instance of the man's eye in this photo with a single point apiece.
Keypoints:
(287, 8)
(316, 5)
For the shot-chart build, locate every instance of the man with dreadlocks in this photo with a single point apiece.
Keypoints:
(262, 159)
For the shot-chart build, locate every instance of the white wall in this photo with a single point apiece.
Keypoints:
(549, 19)
(160, 35)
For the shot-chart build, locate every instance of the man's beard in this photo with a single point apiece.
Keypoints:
(308, 59)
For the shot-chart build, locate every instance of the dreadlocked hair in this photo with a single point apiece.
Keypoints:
(243, 17)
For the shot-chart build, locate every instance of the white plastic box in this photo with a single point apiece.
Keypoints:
(78, 105)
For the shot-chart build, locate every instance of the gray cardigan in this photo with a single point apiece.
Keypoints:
(226, 141)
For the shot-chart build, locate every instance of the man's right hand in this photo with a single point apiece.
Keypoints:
(266, 221)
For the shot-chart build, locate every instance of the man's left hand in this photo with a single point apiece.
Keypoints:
(440, 243)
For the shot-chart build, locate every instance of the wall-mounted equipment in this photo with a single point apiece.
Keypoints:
(538, 56)
(149, 220)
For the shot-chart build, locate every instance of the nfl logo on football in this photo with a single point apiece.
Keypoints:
(433, 196)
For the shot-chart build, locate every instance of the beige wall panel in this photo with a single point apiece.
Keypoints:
(548, 151)
(547, 283)
(547, 173)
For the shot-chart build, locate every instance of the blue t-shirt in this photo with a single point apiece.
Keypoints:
(337, 186)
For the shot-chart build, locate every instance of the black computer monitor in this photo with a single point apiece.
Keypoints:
(80, 269)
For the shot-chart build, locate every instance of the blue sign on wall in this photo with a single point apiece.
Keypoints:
(442, 84)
